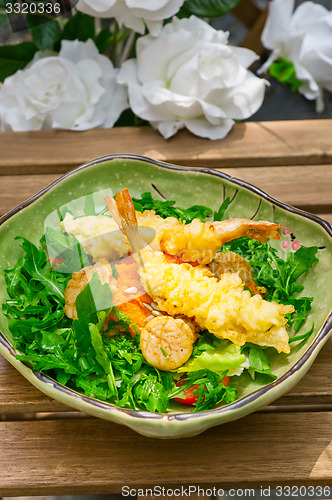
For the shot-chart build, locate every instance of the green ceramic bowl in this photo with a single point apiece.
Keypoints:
(186, 186)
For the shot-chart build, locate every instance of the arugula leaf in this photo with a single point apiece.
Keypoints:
(94, 298)
(299, 262)
(38, 269)
(124, 320)
(211, 392)
(36, 296)
(304, 336)
(67, 248)
(168, 208)
(277, 275)
(150, 393)
(221, 214)
(101, 355)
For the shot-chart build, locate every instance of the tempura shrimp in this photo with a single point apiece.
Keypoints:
(167, 342)
(200, 241)
(194, 242)
(231, 262)
(81, 278)
(221, 306)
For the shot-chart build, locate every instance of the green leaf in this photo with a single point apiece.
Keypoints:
(210, 8)
(300, 261)
(215, 355)
(15, 57)
(79, 27)
(277, 275)
(284, 71)
(66, 248)
(44, 32)
(103, 40)
(211, 392)
(124, 319)
(303, 336)
(93, 298)
(168, 209)
(150, 393)
(259, 362)
(220, 215)
(3, 19)
(102, 357)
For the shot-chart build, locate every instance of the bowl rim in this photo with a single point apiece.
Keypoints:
(247, 400)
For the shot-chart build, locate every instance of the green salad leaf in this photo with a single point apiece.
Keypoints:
(65, 249)
(258, 361)
(278, 276)
(216, 355)
(87, 355)
(168, 208)
(211, 389)
(221, 214)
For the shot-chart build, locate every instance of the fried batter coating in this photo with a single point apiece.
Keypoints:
(222, 306)
(194, 242)
(231, 262)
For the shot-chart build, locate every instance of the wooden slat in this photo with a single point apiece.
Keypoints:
(253, 39)
(248, 144)
(327, 217)
(16, 189)
(18, 396)
(175, 496)
(247, 12)
(305, 187)
(312, 192)
(93, 456)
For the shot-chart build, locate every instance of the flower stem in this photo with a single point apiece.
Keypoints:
(127, 48)
(97, 25)
(114, 41)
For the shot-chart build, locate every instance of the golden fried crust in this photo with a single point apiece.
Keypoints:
(231, 262)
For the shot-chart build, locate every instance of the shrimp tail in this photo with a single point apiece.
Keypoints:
(123, 211)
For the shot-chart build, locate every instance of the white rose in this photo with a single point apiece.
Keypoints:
(189, 77)
(133, 13)
(75, 90)
(304, 37)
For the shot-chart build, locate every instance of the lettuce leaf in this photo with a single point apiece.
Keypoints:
(217, 356)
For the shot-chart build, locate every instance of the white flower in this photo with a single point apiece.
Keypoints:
(304, 37)
(75, 90)
(133, 13)
(189, 77)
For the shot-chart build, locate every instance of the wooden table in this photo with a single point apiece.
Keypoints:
(59, 451)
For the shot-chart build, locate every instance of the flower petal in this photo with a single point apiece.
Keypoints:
(278, 19)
